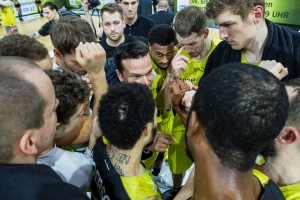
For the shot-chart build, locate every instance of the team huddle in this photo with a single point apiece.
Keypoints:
(99, 116)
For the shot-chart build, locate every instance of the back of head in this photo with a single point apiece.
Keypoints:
(293, 117)
(50, 5)
(111, 8)
(237, 7)
(124, 113)
(241, 108)
(23, 46)
(191, 19)
(70, 92)
(163, 4)
(68, 32)
(22, 105)
(129, 50)
(162, 35)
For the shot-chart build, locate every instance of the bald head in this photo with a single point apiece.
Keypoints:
(163, 5)
(22, 103)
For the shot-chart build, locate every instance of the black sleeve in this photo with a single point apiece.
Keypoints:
(44, 30)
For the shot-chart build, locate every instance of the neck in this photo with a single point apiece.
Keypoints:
(283, 169)
(48, 149)
(205, 49)
(210, 174)
(126, 162)
(164, 9)
(254, 50)
(132, 20)
(115, 43)
(56, 17)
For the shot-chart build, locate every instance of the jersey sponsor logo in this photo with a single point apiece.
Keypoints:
(188, 79)
(199, 69)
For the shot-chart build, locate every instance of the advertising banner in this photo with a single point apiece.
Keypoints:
(278, 11)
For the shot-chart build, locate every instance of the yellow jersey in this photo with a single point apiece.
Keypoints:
(8, 16)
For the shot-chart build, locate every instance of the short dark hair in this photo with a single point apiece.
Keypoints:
(237, 7)
(129, 50)
(51, 5)
(111, 8)
(70, 91)
(124, 113)
(23, 46)
(68, 32)
(162, 35)
(22, 105)
(191, 19)
(241, 108)
(293, 117)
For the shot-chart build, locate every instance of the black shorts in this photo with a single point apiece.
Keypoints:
(38, 2)
(17, 5)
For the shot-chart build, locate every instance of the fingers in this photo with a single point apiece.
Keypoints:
(275, 68)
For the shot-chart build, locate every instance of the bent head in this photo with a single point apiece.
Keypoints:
(50, 10)
(71, 92)
(237, 20)
(66, 34)
(26, 47)
(190, 28)
(129, 8)
(133, 63)
(161, 45)
(231, 112)
(288, 141)
(127, 114)
(28, 120)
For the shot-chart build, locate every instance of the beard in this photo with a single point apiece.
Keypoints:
(153, 134)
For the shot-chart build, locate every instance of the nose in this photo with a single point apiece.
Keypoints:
(187, 49)
(164, 59)
(130, 7)
(112, 27)
(145, 80)
(223, 33)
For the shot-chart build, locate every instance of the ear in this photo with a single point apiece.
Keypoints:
(288, 135)
(148, 130)
(119, 76)
(193, 125)
(205, 33)
(258, 14)
(27, 143)
(57, 54)
(149, 46)
(124, 24)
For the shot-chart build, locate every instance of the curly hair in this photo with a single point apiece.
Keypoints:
(162, 35)
(23, 46)
(242, 108)
(237, 7)
(191, 19)
(70, 91)
(124, 113)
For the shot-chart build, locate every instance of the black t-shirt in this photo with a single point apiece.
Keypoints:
(35, 182)
(44, 30)
(107, 183)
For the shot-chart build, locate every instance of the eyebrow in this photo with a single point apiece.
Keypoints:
(226, 22)
(140, 74)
